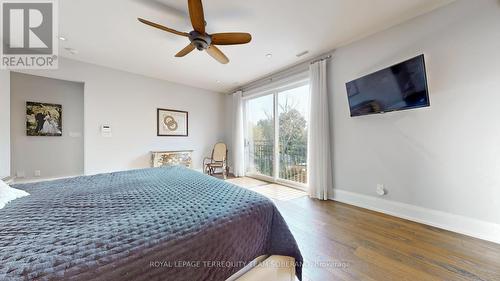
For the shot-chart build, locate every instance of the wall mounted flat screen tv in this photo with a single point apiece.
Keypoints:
(399, 87)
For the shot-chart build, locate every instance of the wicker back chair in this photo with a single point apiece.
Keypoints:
(218, 160)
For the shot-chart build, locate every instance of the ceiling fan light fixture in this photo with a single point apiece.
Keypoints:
(201, 40)
(269, 56)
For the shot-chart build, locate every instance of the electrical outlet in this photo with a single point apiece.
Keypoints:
(381, 190)
(20, 174)
(38, 173)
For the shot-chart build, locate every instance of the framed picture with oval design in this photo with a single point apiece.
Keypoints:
(172, 123)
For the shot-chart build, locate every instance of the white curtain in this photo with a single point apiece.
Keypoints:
(238, 136)
(319, 147)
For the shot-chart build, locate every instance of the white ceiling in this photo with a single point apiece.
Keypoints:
(106, 32)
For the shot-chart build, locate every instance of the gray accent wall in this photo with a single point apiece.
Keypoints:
(52, 156)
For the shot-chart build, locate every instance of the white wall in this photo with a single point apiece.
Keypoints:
(52, 156)
(446, 157)
(4, 123)
(128, 103)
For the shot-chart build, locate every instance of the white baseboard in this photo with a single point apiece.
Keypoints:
(456, 223)
(35, 180)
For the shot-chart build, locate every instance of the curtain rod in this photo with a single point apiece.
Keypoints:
(284, 72)
(321, 59)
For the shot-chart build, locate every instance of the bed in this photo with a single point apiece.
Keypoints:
(169, 223)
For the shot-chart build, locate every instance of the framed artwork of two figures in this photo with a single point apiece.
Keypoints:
(43, 119)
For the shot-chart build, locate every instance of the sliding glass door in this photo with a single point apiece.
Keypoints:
(259, 115)
(293, 112)
(276, 135)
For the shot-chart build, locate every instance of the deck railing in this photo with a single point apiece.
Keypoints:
(292, 164)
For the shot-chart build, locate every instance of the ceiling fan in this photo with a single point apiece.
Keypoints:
(199, 38)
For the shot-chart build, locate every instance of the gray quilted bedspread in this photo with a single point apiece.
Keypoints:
(152, 224)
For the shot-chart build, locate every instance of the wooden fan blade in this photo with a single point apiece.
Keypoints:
(231, 38)
(197, 16)
(217, 54)
(189, 48)
(164, 28)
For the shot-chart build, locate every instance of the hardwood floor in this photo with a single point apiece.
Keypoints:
(356, 244)
(343, 242)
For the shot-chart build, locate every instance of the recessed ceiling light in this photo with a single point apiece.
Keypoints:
(62, 38)
(269, 56)
(218, 81)
(72, 51)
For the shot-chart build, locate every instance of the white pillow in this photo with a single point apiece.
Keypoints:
(8, 194)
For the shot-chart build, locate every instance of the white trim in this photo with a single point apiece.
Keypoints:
(276, 129)
(464, 225)
(260, 177)
(288, 183)
(292, 184)
(35, 180)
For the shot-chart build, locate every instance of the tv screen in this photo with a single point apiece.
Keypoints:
(399, 87)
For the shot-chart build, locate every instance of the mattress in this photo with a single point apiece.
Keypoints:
(152, 224)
